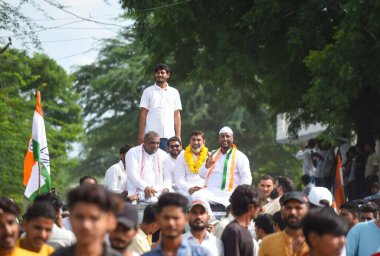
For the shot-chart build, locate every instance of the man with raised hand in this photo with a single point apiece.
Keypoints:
(9, 229)
(160, 107)
(144, 164)
(186, 175)
(224, 170)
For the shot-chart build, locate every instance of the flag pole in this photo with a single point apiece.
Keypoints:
(39, 178)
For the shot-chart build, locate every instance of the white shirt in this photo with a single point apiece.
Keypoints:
(115, 179)
(169, 164)
(307, 165)
(242, 171)
(161, 104)
(213, 244)
(145, 170)
(61, 237)
(183, 177)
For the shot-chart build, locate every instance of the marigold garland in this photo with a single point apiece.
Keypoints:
(194, 166)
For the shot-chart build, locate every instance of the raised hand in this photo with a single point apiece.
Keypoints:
(209, 161)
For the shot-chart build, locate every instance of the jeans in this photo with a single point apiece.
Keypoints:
(164, 144)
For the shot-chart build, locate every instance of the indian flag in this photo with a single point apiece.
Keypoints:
(37, 164)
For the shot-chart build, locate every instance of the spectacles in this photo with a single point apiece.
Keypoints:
(174, 146)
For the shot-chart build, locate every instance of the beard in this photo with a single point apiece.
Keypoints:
(293, 224)
(174, 153)
(196, 149)
(197, 225)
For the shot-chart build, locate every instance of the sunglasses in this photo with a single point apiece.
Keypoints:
(174, 146)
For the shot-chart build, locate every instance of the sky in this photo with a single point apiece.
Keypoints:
(69, 40)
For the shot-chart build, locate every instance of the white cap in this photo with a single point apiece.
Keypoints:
(204, 203)
(317, 194)
(226, 129)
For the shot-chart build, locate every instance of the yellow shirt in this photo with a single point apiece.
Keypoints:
(19, 252)
(280, 244)
(141, 243)
(46, 250)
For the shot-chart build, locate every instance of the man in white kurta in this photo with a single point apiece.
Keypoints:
(144, 164)
(174, 149)
(187, 178)
(224, 170)
(115, 178)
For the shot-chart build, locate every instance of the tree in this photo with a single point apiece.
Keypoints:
(314, 60)
(20, 77)
(111, 88)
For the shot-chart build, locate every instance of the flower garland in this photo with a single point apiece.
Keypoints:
(194, 166)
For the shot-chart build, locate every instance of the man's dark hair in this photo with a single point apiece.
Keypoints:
(84, 178)
(266, 177)
(375, 185)
(161, 66)
(9, 206)
(305, 179)
(150, 213)
(172, 199)
(279, 220)
(323, 221)
(50, 198)
(369, 207)
(41, 209)
(265, 222)
(311, 143)
(352, 207)
(286, 183)
(94, 194)
(124, 149)
(197, 133)
(243, 197)
(174, 139)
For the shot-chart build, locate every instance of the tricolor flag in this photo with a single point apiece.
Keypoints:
(36, 164)
(339, 186)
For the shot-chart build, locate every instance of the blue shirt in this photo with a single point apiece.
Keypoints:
(363, 239)
(186, 248)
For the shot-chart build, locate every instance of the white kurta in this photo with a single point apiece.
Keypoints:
(115, 179)
(213, 191)
(169, 164)
(184, 178)
(145, 170)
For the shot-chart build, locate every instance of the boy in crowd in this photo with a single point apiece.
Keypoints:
(9, 229)
(125, 231)
(324, 232)
(38, 225)
(246, 202)
(172, 218)
(350, 211)
(92, 215)
(142, 242)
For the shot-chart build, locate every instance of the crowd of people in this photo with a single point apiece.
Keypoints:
(183, 189)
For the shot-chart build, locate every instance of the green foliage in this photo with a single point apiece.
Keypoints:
(20, 77)
(317, 61)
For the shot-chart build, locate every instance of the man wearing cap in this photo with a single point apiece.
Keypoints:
(291, 241)
(198, 217)
(125, 231)
(187, 167)
(224, 170)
